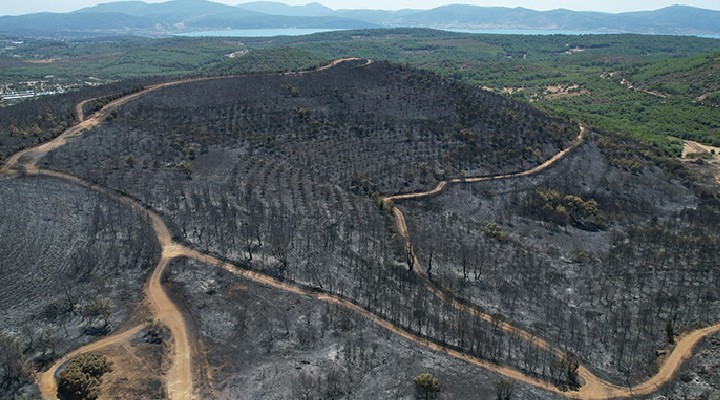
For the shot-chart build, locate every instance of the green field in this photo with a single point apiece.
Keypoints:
(112, 59)
(675, 87)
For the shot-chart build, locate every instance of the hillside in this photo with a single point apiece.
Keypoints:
(339, 231)
(691, 77)
(584, 77)
(671, 20)
(397, 129)
(173, 16)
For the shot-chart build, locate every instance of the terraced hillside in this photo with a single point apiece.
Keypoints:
(282, 173)
(286, 181)
(399, 128)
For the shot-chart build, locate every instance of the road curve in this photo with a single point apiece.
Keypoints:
(179, 379)
(593, 387)
(440, 186)
(179, 382)
(46, 380)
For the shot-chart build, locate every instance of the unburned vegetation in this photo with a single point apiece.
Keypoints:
(39, 120)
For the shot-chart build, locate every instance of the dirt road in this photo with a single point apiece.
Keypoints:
(690, 147)
(710, 156)
(179, 380)
(593, 387)
(28, 158)
(46, 380)
(440, 186)
(342, 60)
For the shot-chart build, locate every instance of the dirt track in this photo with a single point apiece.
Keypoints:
(46, 381)
(179, 378)
(593, 387)
(179, 383)
(690, 147)
(440, 186)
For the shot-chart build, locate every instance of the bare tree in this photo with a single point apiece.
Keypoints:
(12, 363)
(504, 389)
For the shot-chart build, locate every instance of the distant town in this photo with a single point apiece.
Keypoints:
(13, 92)
(20, 91)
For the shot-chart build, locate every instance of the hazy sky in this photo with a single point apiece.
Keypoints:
(14, 7)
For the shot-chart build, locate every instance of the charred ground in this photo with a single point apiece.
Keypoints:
(606, 293)
(284, 173)
(62, 246)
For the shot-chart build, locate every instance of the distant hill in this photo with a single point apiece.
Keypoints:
(176, 16)
(275, 8)
(173, 16)
(694, 77)
(671, 20)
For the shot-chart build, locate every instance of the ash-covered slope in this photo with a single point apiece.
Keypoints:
(375, 127)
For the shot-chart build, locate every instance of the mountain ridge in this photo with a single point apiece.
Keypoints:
(178, 16)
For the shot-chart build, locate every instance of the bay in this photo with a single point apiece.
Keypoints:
(309, 31)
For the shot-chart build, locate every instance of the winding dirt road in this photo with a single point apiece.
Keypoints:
(440, 186)
(46, 381)
(593, 386)
(179, 383)
(442, 294)
(179, 380)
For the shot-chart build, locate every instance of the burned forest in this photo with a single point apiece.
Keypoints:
(359, 230)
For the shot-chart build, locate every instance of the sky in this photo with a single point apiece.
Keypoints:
(16, 7)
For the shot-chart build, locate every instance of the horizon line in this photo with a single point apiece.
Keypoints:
(239, 5)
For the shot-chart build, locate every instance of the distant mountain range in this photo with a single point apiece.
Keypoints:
(176, 16)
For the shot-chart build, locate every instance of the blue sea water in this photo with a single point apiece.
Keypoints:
(257, 32)
(520, 32)
(310, 31)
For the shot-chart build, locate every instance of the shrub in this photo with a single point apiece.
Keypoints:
(496, 232)
(552, 206)
(427, 385)
(82, 377)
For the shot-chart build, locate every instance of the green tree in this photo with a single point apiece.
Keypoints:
(427, 385)
(81, 379)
